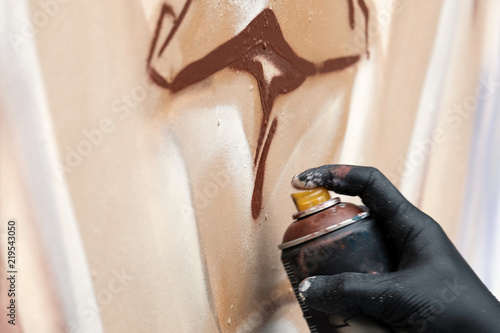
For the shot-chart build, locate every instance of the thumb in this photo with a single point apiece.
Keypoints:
(348, 293)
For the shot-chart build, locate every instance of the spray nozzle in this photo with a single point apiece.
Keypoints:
(308, 199)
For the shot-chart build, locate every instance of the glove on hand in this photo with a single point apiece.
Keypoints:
(433, 288)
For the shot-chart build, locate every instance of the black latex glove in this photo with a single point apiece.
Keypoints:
(433, 288)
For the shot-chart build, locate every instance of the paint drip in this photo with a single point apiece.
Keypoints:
(261, 50)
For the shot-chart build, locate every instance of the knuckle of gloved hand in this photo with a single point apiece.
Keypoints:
(374, 175)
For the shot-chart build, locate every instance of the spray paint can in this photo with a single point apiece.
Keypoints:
(329, 237)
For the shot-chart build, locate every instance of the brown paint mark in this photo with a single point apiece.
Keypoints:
(165, 10)
(366, 13)
(338, 64)
(259, 177)
(352, 22)
(177, 23)
(351, 13)
(257, 49)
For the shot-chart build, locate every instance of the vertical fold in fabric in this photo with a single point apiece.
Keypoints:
(24, 109)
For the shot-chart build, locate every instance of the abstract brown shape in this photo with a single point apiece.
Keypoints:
(261, 41)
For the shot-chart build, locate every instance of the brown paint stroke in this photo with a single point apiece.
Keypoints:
(352, 22)
(351, 13)
(366, 13)
(165, 10)
(177, 23)
(262, 38)
(259, 177)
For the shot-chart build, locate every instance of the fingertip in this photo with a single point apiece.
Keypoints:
(313, 178)
(317, 292)
(305, 287)
(306, 284)
(301, 181)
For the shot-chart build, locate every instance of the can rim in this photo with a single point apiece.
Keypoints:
(322, 232)
(315, 209)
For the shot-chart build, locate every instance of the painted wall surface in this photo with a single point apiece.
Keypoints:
(156, 155)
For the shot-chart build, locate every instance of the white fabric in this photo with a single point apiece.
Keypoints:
(480, 224)
(31, 137)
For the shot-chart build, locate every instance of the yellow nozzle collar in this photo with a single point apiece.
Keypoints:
(309, 199)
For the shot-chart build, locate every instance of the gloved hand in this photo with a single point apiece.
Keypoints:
(433, 288)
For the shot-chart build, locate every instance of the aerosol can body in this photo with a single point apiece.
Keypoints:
(329, 237)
